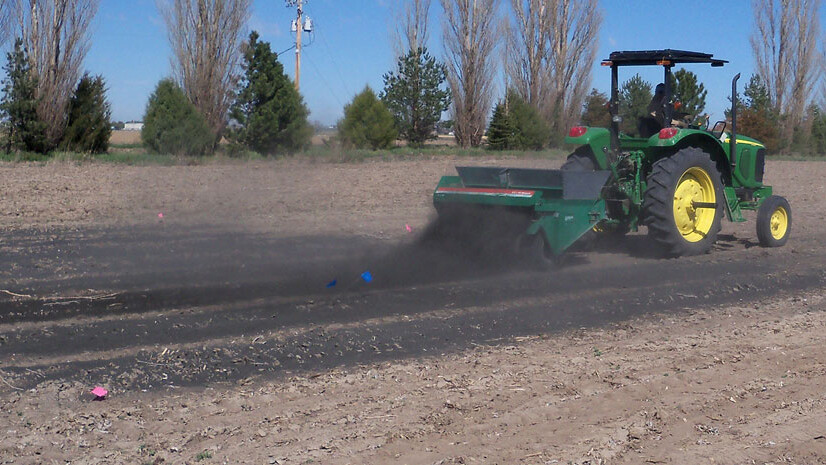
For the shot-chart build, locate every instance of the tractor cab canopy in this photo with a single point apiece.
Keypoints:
(661, 110)
(666, 57)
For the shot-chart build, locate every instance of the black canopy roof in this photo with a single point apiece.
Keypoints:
(657, 57)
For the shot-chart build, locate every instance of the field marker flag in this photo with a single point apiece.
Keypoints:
(99, 393)
(367, 276)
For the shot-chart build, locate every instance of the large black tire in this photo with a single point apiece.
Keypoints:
(774, 222)
(675, 185)
(580, 160)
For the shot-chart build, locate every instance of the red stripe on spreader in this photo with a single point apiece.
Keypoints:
(485, 191)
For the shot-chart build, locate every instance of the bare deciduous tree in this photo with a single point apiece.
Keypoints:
(528, 39)
(411, 31)
(784, 46)
(471, 31)
(56, 36)
(551, 51)
(6, 13)
(206, 38)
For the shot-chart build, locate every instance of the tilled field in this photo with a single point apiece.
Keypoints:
(202, 297)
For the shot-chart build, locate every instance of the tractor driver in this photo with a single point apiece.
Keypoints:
(658, 103)
(653, 122)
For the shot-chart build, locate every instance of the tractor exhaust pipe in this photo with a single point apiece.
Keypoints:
(733, 139)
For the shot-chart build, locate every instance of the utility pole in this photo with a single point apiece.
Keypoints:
(299, 25)
(298, 29)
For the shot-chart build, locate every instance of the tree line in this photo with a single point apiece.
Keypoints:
(227, 85)
(204, 101)
(547, 51)
(550, 47)
(48, 102)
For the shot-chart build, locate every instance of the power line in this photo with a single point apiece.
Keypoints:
(326, 83)
(335, 64)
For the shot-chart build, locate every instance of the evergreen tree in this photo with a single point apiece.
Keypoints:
(595, 111)
(500, 130)
(635, 95)
(758, 96)
(517, 125)
(270, 111)
(801, 141)
(414, 95)
(172, 124)
(531, 132)
(758, 117)
(89, 127)
(686, 89)
(818, 134)
(25, 131)
(367, 123)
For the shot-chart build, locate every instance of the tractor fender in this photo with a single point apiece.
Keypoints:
(702, 140)
(598, 140)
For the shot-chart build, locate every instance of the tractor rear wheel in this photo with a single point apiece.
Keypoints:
(774, 221)
(580, 160)
(683, 204)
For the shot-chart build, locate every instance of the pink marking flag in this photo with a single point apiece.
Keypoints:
(99, 392)
(160, 215)
(409, 229)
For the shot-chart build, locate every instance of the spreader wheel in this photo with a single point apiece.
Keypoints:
(774, 222)
(534, 249)
(683, 204)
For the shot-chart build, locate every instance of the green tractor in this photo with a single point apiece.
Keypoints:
(678, 179)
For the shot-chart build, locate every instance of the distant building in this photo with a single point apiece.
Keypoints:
(133, 127)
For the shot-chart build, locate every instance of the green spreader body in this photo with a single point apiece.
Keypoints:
(561, 205)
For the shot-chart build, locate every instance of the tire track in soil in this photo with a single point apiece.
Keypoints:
(431, 305)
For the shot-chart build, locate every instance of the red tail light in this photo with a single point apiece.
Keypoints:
(668, 133)
(577, 131)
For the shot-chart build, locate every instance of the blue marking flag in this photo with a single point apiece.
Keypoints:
(332, 283)
(367, 276)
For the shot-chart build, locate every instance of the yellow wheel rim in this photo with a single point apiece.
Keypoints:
(779, 223)
(695, 186)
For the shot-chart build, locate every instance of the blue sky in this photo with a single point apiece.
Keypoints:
(351, 47)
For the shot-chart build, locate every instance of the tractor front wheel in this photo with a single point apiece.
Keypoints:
(774, 221)
(683, 204)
